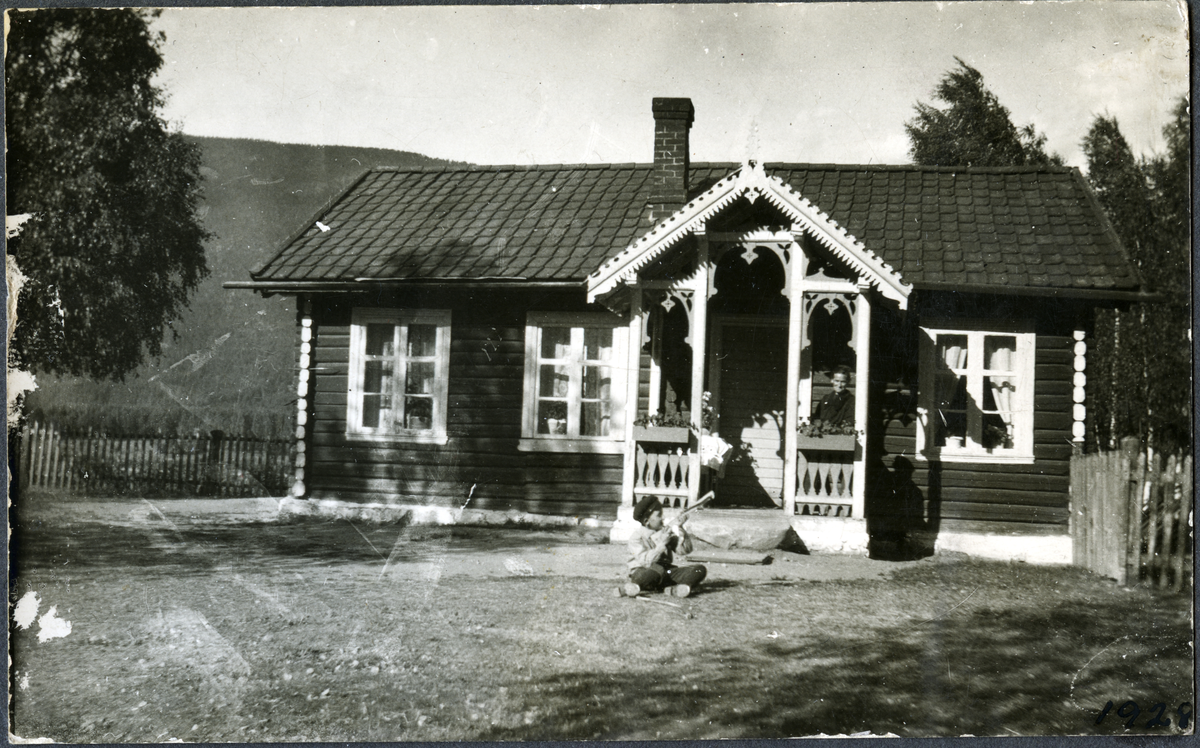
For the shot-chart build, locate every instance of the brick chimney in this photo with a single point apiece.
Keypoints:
(669, 180)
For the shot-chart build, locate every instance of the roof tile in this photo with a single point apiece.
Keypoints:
(1034, 227)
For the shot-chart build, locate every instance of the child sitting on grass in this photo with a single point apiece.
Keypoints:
(651, 549)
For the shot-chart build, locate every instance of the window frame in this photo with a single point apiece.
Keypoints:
(1025, 368)
(535, 323)
(360, 317)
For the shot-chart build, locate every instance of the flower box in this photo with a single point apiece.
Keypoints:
(665, 434)
(828, 442)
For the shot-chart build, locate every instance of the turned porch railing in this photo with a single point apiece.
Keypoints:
(824, 479)
(661, 470)
(824, 483)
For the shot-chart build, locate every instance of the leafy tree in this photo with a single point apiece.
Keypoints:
(974, 129)
(114, 247)
(1142, 359)
(1121, 186)
(1171, 182)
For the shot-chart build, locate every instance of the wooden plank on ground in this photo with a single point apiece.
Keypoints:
(732, 556)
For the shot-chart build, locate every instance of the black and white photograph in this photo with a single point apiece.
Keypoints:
(434, 373)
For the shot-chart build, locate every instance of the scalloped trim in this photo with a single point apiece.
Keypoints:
(751, 180)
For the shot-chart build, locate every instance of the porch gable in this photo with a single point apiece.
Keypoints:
(752, 182)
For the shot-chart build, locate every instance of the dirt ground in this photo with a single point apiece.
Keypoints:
(212, 622)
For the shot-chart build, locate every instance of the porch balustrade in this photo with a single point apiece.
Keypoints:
(824, 483)
(662, 470)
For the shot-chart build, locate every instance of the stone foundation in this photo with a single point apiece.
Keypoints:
(749, 529)
(1034, 549)
(832, 534)
(414, 514)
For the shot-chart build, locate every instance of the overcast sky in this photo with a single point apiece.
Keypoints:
(802, 82)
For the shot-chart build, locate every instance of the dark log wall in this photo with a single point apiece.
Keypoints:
(480, 466)
(906, 493)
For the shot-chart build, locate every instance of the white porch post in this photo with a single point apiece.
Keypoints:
(792, 407)
(655, 323)
(699, 335)
(862, 356)
(631, 396)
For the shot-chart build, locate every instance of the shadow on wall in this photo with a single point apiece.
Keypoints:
(902, 521)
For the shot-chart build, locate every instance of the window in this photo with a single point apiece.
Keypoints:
(976, 394)
(575, 380)
(399, 361)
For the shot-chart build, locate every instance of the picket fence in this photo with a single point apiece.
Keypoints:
(1131, 520)
(97, 464)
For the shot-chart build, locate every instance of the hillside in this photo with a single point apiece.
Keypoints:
(231, 366)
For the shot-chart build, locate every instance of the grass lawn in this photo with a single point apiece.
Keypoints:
(316, 630)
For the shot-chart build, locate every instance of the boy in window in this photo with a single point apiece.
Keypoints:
(651, 550)
(838, 406)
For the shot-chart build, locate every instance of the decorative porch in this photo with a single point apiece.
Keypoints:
(817, 475)
(740, 306)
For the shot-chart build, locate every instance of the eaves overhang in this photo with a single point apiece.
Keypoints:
(1053, 292)
(365, 284)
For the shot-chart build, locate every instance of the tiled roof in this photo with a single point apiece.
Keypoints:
(1028, 227)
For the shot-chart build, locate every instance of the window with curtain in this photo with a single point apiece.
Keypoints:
(976, 393)
(575, 380)
(399, 374)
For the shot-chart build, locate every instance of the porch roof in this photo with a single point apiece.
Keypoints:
(938, 228)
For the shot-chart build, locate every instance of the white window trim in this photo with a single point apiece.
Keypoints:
(1026, 366)
(531, 441)
(360, 318)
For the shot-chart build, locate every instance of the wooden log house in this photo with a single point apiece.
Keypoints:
(497, 336)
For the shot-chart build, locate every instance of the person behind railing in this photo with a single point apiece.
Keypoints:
(651, 551)
(838, 406)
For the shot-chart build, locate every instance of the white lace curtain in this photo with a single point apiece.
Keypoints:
(1001, 352)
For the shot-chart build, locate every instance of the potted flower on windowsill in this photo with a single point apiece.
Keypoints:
(556, 418)
(825, 436)
(419, 415)
(664, 428)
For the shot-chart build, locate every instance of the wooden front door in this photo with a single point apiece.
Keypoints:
(751, 368)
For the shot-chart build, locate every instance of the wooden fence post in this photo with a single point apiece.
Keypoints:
(1153, 494)
(1132, 492)
(93, 462)
(52, 456)
(1185, 535)
(189, 464)
(1168, 522)
(55, 458)
(69, 472)
(1084, 511)
(44, 446)
(85, 479)
(39, 455)
(23, 456)
(177, 463)
(31, 430)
